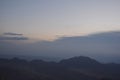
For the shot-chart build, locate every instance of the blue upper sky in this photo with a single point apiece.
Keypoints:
(48, 19)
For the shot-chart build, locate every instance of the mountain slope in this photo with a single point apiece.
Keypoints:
(76, 68)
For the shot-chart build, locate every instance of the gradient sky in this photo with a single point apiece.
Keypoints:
(48, 19)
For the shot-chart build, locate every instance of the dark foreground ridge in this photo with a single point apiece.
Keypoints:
(76, 68)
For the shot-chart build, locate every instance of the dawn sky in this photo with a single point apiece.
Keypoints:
(48, 19)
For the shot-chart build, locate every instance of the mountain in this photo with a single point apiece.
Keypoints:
(92, 67)
(75, 68)
(80, 61)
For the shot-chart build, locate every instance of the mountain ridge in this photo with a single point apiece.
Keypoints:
(81, 68)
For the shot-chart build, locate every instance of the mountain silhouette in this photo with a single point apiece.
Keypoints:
(80, 61)
(75, 68)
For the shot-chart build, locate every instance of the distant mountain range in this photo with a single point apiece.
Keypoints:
(75, 68)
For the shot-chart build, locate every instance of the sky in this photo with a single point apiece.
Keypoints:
(61, 28)
(50, 19)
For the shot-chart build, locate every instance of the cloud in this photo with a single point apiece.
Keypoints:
(10, 33)
(101, 46)
(12, 36)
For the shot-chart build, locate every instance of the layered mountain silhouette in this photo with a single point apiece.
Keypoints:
(75, 68)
